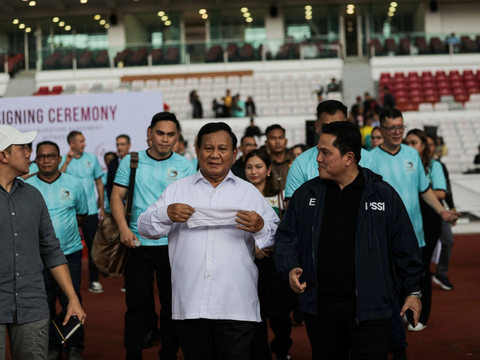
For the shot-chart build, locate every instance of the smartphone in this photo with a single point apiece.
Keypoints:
(409, 315)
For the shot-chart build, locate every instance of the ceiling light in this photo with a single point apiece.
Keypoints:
(391, 14)
(308, 17)
(308, 12)
(68, 28)
(27, 30)
(15, 22)
(350, 6)
(202, 11)
(97, 17)
(21, 26)
(244, 9)
(107, 26)
(394, 4)
(247, 14)
(161, 13)
(32, 3)
(103, 22)
(24, 0)
(56, 19)
(61, 23)
(249, 19)
(205, 16)
(164, 18)
(308, 7)
(350, 11)
(168, 23)
(83, 1)
(392, 9)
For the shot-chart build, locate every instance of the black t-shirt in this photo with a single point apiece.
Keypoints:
(336, 250)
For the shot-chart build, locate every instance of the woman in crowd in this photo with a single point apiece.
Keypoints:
(297, 150)
(432, 222)
(374, 139)
(274, 292)
(197, 109)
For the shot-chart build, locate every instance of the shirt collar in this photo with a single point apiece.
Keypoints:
(199, 176)
(359, 181)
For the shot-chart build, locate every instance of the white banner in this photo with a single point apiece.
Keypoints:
(100, 118)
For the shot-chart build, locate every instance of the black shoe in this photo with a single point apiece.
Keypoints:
(399, 354)
(75, 354)
(443, 281)
(54, 354)
(151, 337)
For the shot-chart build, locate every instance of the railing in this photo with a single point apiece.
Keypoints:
(188, 53)
(424, 44)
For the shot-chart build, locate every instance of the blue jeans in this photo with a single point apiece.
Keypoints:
(54, 292)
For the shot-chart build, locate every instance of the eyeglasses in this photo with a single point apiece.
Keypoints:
(392, 129)
(376, 137)
(50, 157)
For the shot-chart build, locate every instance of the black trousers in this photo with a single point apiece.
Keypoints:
(89, 229)
(205, 339)
(334, 333)
(144, 263)
(432, 227)
(276, 299)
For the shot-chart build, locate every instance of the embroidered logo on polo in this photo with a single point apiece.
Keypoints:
(65, 193)
(273, 202)
(172, 173)
(88, 164)
(409, 165)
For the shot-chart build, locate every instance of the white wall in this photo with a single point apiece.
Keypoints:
(116, 34)
(459, 17)
(3, 83)
(135, 32)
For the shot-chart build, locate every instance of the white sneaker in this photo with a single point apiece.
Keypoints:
(95, 287)
(419, 327)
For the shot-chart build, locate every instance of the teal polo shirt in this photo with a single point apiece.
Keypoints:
(87, 169)
(436, 176)
(151, 179)
(65, 199)
(305, 167)
(405, 172)
(106, 202)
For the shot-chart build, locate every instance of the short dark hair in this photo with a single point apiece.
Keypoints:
(164, 116)
(115, 156)
(214, 127)
(331, 107)
(274, 127)
(72, 136)
(390, 113)
(51, 143)
(126, 137)
(246, 136)
(271, 188)
(348, 137)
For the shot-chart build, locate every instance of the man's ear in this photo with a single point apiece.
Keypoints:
(350, 158)
(3, 157)
(235, 152)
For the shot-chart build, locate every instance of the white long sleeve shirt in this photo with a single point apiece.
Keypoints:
(213, 271)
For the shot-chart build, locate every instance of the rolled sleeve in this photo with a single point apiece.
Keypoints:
(155, 223)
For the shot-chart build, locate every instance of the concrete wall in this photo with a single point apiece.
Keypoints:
(135, 31)
(458, 17)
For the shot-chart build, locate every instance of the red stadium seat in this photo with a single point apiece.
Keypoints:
(429, 85)
(440, 72)
(467, 72)
(400, 86)
(473, 90)
(399, 75)
(433, 98)
(385, 75)
(401, 100)
(443, 84)
(407, 107)
(42, 90)
(401, 94)
(427, 73)
(444, 91)
(454, 72)
(461, 98)
(414, 86)
(412, 74)
(56, 90)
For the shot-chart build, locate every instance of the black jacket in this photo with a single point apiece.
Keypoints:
(385, 246)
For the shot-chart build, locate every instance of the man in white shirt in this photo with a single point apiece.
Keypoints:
(213, 220)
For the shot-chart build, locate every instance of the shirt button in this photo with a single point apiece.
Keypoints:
(209, 258)
(214, 191)
(16, 234)
(18, 274)
(210, 240)
(13, 213)
(16, 294)
(16, 254)
(208, 275)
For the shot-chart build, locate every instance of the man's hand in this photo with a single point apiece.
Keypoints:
(251, 221)
(414, 303)
(294, 278)
(69, 156)
(102, 213)
(180, 212)
(262, 253)
(127, 238)
(450, 216)
(74, 308)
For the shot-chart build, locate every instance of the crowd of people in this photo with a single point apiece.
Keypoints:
(229, 106)
(237, 235)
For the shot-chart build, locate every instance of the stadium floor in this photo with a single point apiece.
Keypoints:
(453, 330)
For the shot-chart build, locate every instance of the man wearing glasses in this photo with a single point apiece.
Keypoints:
(68, 206)
(402, 168)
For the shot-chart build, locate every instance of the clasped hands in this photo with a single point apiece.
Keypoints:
(248, 221)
